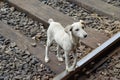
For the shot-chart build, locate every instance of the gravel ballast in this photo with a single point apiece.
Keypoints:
(17, 64)
(21, 22)
(108, 71)
(113, 2)
(93, 20)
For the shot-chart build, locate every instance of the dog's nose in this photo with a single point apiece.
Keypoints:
(85, 36)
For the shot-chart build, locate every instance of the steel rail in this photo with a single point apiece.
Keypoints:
(94, 59)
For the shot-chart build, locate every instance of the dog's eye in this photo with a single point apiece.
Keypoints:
(77, 30)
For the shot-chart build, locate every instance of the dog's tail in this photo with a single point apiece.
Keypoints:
(50, 20)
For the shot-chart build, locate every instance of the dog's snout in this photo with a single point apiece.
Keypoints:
(85, 36)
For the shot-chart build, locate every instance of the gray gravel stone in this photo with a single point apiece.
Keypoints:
(1, 78)
(33, 44)
(117, 65)
(13, 44)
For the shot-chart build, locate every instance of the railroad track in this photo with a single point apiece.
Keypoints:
(40, 12)
(94, 59)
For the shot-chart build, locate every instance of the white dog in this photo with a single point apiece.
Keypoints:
(66, 38)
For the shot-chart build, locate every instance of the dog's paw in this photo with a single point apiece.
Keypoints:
(70, 69)
(60, 59)
(76, 66)
(47, 60)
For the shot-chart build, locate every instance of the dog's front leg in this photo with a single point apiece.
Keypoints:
(75, 60)
(69, 69)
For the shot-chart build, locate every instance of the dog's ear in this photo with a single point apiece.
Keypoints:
(83, 22)
(68, 29)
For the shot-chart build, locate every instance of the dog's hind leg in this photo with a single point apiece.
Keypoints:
(59, 56)
(72, 67)
(66, 60)
(49, 42)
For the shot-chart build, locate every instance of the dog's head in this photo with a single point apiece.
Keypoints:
(77, 29)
